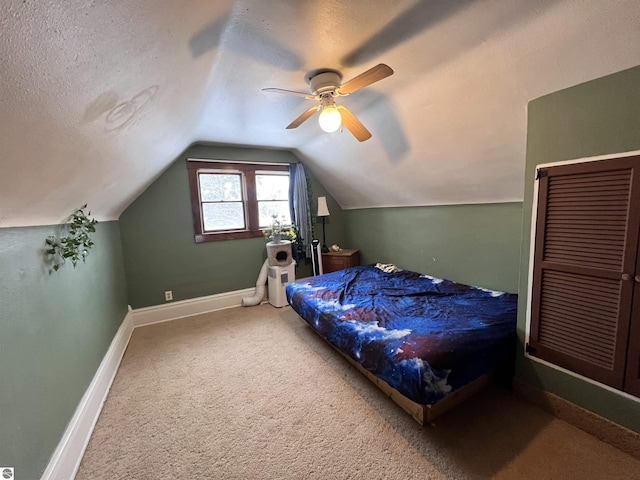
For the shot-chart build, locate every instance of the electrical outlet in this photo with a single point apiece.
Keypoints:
(168, 295)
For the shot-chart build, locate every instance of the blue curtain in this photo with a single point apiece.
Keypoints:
(299, 204)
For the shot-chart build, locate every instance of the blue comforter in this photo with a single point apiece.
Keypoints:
(424, 336)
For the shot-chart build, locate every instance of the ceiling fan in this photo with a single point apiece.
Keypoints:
(325, 86)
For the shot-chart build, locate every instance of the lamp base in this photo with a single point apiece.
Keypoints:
(325, 249)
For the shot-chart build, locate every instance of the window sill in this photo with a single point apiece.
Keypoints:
(218, 237)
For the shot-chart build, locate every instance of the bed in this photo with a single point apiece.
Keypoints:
(427, 342)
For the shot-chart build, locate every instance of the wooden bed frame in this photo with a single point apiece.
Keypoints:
(423, 414)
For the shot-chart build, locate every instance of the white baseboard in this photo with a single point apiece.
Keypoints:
(186, 308)
(66, 459)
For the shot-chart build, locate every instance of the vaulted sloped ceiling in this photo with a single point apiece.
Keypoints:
(98, 98)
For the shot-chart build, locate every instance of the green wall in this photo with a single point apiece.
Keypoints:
(157, 236)
(54, 331)
(595, 118)
(473, 244)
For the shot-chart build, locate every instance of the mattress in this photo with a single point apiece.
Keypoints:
(424, 336)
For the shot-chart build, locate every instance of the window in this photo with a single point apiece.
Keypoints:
(272, 192)
(236, 200)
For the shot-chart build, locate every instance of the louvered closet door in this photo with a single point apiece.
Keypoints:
(584, 262)
(632, 378)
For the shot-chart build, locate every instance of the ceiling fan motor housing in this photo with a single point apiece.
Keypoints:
(325, 81)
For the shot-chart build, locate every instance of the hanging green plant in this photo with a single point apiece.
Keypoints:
(75, 246)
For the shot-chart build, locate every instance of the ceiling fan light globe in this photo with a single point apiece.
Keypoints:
(330, 119)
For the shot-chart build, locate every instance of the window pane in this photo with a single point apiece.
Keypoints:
(218, 187)
(223, 216)
(278, 208)
(272, 187)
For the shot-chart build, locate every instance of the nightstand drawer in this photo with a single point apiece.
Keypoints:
(345, 258)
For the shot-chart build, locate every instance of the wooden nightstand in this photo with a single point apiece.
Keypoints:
(345, 258)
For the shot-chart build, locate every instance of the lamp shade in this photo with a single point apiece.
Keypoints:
(323, 210)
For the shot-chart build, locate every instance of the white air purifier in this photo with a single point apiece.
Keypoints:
(279, 278)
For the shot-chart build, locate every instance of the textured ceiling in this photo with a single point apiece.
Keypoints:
(98, 98)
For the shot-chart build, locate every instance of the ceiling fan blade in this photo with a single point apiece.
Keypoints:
(289, 92)
(298, 121)
(372, 75)
(350, 121)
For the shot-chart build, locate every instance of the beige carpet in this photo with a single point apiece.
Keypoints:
(254, 394)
